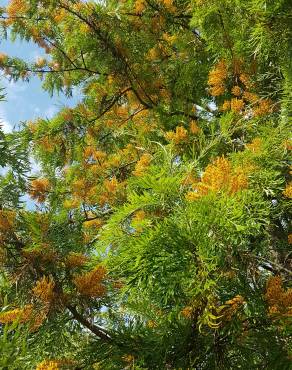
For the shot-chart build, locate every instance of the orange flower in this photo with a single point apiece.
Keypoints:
(187, 312)
(236, 90)
(279, 300)
(128, 358)
(217, 77)
(194, 128)
(93, 224)
(75, 260)
(139, 215)
(139, 6)
(288, 191)
(264, 108)
(90, 283)
(180, 135)
(39, 189)
(290, 239)
(16, 7)
(226, 105)
(44, 289)
(48, 365)
(3, 58)
(142, 165)
(245, 79)
(219, 176)
(20, 314)
(7, 220)
(250, 97)
(255, 146)
(237, 105)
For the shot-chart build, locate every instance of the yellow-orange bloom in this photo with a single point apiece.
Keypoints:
(179, 136)
(250, 97)
(288, 190)
(217, 77)
(219, 175)
(187, 312)
(142, 165)
(226, 105)
(236, 105)
(44, 289)
(75, 260)
(90, 283)
(20, 314)
(7, 220)
(255, 146)
(236, 90)
(279, 300)
(48, 365)
(39, 189)
(139, 6)
(16, 7)
(264, 107)
(194, 128)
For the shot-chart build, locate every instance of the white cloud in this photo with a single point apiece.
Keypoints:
(4, 123)
(50, 112)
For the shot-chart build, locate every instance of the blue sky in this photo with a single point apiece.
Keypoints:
(26, 101)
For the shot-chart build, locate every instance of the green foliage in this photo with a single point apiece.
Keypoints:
(161, 230)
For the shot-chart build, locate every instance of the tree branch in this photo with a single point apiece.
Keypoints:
(95, 329)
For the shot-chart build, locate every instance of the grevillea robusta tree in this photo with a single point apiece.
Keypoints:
(161, 235)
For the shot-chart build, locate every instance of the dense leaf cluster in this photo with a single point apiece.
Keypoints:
(161, 231)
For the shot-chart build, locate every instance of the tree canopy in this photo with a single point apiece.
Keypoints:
(161, 232)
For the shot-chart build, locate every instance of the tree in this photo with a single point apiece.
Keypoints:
(162, 229)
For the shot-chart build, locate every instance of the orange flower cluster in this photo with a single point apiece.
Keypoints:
(179, 136)
(16, 7)
(93, 224)
(250, 97)
(234, 304)
(290, 239)
(255, 146)
(40, 62)
(139, 6)
(18, 314)
(38, 317)
(39, 189)
(54, 364)
(44, 254)
(236, 105)
(217, 77)
(128, 358)
(142, 165)
(264, 107)
(169, 5)
(194, 128)
(75, 260)
(48, 365)
(187, 312)
(7, 220)
(91, 153)
(90, 283)
(46, 143)
(44, 290)
(236, 90)
(3, 58)
(279, 301)
(288, 190)
(139, 216)
(219, 176)
(112, 188)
